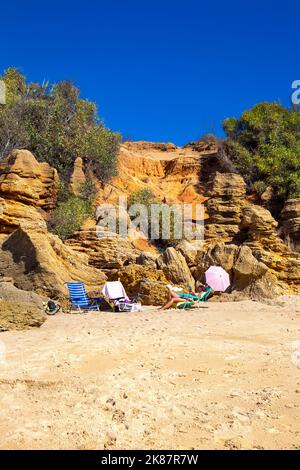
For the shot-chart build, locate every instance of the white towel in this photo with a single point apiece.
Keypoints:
(114, 290)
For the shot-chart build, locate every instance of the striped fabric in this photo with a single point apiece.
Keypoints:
(79, 298)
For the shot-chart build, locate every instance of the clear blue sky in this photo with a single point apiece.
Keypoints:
(163, 70)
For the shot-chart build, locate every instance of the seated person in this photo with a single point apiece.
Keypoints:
(173, 297)
(176, 295)
(204, 289)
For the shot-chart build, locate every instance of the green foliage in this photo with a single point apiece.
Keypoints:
(15, 84)
(142, 196)
(69, 215)
(147, 198)
(259, 187)
(264, 146)
(56, 125)
(88, 191)
(71, 210)
(63, 192)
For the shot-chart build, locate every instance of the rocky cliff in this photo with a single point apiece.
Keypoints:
(260, 253)
(290, 230)
(173, 174)
(28, 189)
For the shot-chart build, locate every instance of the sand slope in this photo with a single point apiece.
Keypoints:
(225, 376)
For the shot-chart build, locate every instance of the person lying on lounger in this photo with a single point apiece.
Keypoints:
(173, 297)
(177, 295)
(201, 289)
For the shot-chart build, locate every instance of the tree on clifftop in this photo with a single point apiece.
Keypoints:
(264, 146)
(56, 125)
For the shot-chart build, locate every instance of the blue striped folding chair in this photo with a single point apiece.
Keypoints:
(79, 299)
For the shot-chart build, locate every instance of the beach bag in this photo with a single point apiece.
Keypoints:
(52, 308)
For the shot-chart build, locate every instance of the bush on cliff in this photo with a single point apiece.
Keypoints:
(56, 125)
(264, 146)
(71, 212)
(146, 198)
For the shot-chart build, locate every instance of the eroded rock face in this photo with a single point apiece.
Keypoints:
(206, 145)
(103, 253)
(78, 178)
(24, 179)
(248, 276)
(260, 233)
(172, 173)
(175, 268)
(13, 213)
(144, 280)
(218, 254)
(27, 189)
(19, 309)
(19, 316)
(236, 220)
(291, 223)
(189, 250)
(10, 293)
(252, 252)
(40, 261)
(252, 277)
(229, 185)
(226, 192)
(147, 259)
(258, 223)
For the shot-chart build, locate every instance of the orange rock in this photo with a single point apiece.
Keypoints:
(78, 178)
(40, 261)
(24, 179)
(27, 189)
(164, 169)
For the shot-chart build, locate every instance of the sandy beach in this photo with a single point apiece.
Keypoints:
(224, 376)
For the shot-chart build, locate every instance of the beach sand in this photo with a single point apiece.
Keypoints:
(224, 376)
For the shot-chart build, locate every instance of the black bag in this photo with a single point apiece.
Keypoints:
(52, 308)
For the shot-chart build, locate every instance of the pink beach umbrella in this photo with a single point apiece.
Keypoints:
(217, 278)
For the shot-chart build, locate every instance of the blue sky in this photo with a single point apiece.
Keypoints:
(163, 70)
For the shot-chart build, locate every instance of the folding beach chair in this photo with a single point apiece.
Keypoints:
(79, 299)
(195, 298)
(184, 305)
(117, 298)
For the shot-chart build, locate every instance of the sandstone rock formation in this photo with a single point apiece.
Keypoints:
(252, 277)
(171, 173)
(27, 189)
(241, 236)
(147, 281)
(103, 253)
(226, 198)
(206, 144)
(19, 309)
(189, 249)
(24, 179)
(248, 276)
(260, 234)
(19, 316)
(10, 293)
(175, 268)
(147, 259)
(291, 223)
(41, 262)
(78, 178)
(233, 218)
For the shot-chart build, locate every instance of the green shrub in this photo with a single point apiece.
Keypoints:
(142, 196)
(147, 198)
(264, 146)
(69, 215)
(56, 125)
(259, 187)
